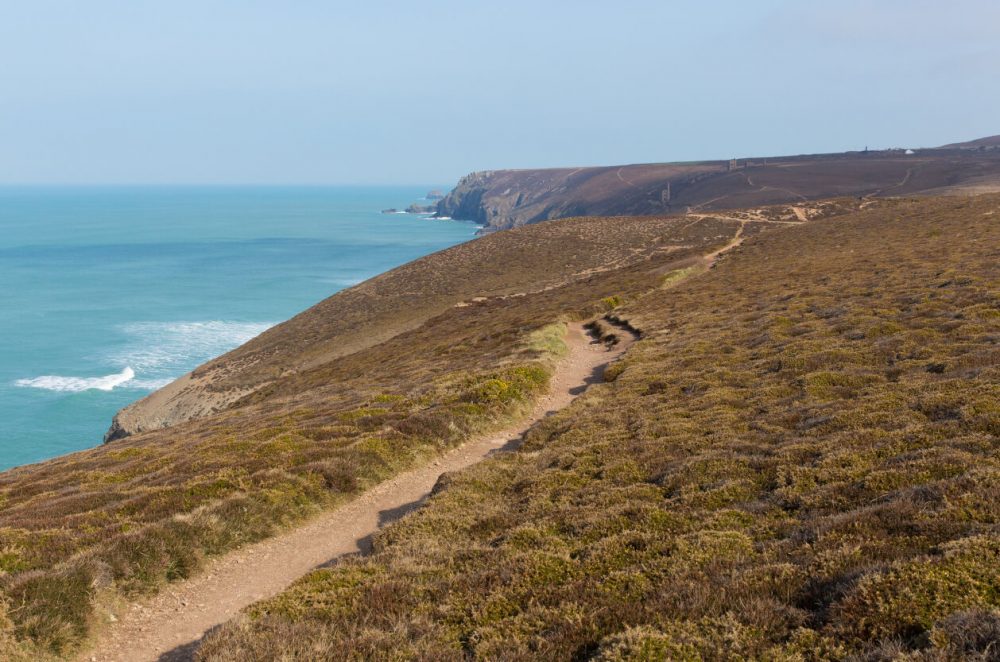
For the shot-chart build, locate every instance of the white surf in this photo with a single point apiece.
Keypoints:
(77, 384)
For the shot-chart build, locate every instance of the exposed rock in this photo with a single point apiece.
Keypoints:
(116, 431)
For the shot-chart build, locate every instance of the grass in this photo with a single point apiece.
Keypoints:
(319, 422)
(800, 460)
(549, 340)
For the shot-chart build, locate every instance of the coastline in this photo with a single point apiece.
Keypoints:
(390, 373)
(92, 304)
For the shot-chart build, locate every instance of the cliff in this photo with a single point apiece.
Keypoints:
(503, 199)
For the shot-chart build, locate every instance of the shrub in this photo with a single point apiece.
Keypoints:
(907, 600)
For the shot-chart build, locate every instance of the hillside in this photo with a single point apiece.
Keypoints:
(380, 308)
(799, 460)
(388, 305)
(990, 142)
(502, 199)
(326, 407)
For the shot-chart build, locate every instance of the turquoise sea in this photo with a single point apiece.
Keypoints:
(108, 293)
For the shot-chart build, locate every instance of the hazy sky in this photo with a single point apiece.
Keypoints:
(372, 91)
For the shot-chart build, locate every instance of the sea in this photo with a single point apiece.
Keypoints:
(109, 293)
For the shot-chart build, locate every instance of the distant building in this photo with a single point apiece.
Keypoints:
(665, 196)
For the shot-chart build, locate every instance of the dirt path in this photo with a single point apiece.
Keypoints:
(737, 239)
(775, 188)
(168, 626)
(623, 180)
(902, 182)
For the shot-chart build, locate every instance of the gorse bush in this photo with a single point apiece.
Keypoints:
(612, 302)
(799, 461)
(511, 385)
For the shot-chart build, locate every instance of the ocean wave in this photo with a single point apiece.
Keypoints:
(168, 349)
(77, 384)
(155, 354)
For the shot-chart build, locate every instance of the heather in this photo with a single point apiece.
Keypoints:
(800, 460)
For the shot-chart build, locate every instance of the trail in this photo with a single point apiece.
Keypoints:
(169, 626)
(623, 180)
(737, 239)
(903, 182)
(775, 188)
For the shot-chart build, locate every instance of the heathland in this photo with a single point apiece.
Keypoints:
(798, 459)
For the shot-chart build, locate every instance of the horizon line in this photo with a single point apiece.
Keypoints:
(10, 185)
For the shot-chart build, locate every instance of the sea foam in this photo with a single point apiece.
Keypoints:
(76, 384)
(159, 350)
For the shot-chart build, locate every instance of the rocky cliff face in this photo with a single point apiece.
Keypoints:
(503, 199)
(465, 200)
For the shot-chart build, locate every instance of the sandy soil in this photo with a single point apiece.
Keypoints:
(169, 626)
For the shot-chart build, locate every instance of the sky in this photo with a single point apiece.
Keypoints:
(392, 92)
